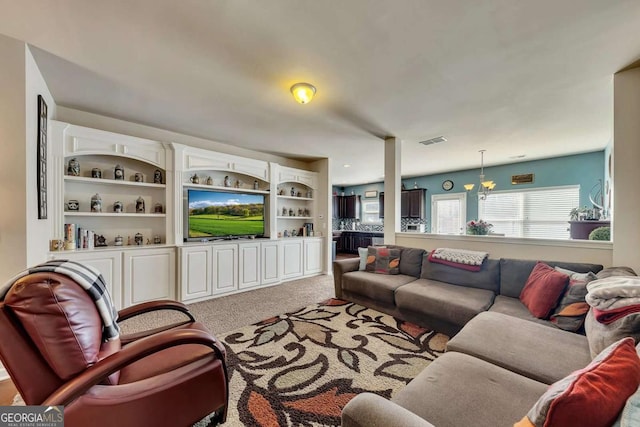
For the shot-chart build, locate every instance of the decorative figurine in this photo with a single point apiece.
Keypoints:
(195, 179)
(281, 192)
(309, 194)
(294, 233)
(293, 191)
(138, 177)
(96, 203)
(286, 233)
(139, 238)
(156, 240)
(96, 173)
(256, 185)
(140, 205)
(291, 212)
(157, 176)
(209, 180)
(118, 173)
(118, 207)
(74, 167)
(118, 241)
(73, 205)
(99, 241)
(237, 183)
(227, 181)
(299, 211)
(148, 241)
(284, 211)
(157, 208)
(299, 194)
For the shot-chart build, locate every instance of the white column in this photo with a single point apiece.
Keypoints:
(392, 188)
(626, 170)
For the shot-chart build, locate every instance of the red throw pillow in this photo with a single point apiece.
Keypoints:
(593, 396)
(543, 289)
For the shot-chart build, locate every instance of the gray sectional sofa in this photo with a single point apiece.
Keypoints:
(439, 296)
(500, 360)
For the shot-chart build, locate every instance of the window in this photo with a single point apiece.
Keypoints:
(448, 213)
(371, 212)
(541, 213)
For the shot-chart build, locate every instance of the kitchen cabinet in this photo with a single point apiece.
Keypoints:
(412, 203)
(346, 207)
(351, 241)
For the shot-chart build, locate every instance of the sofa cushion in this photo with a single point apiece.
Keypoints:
(514, 307)
(593, 396)
(543, 289)
(459, 390)
(383, 260)
(487, 278)
(411, 261)
(515, 272)
(601, 335)
(374, 286)
(522, 346)
(454, 304)
(363, 253)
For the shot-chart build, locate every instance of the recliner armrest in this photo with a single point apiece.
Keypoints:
(146, 307)
(339, 268)
(95, 374)
(371, 410)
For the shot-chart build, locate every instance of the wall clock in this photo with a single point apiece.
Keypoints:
(447, 185)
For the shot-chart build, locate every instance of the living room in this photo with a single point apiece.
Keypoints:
(511, 80)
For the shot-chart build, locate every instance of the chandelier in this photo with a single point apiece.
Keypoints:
(485, 185)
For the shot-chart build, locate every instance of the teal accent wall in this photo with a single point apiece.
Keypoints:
(584, 170)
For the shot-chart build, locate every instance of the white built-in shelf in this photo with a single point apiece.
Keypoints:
(295, 198)
(295, 217)
(103, 181)
(123, 214)
(222, 188)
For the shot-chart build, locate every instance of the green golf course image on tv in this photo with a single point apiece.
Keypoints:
(221, 214)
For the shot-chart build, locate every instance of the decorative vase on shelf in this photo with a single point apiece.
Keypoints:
(140, 205)
(157, 176)
(96, 203)
(74, 167)
(118, 173)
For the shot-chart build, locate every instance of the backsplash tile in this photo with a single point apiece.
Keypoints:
(352, 224)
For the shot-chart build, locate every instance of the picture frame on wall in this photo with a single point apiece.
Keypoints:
(42, 158)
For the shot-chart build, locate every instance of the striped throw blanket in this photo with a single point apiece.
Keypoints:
(460, 256)
(89, 279)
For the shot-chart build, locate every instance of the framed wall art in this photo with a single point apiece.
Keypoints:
(42, 158)
(370, 194)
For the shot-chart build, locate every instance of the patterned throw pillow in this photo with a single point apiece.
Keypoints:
(572, 309)
(593, 396)
(543, 289)
(383, 260)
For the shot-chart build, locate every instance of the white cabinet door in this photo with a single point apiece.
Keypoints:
(195, 272)
(149, 274)
(291, 258)
(109, 263)
(270, 260)
(312, 256)
(249, 263)
(225, 268)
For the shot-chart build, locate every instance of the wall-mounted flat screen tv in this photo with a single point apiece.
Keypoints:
(222, 214)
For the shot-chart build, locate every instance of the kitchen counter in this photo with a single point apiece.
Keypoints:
(348, 241)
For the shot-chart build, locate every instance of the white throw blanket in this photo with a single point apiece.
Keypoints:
(89, 279)
(613, 292)
(460, 256)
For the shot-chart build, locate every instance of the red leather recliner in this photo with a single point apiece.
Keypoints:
(51, 345)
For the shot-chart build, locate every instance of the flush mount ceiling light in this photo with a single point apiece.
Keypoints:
(303, 92)
(346, 165)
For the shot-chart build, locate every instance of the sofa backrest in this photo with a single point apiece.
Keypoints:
(487, 278)
(515, 272)
(410, 260)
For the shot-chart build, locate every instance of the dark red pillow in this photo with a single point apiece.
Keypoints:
(543, 290)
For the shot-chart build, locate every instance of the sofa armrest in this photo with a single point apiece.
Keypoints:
(371, 410)
(339, 268)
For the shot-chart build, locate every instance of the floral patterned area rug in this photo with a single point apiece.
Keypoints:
(301, 368)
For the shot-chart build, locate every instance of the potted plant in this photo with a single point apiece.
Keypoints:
(600, 233)
(478, 227)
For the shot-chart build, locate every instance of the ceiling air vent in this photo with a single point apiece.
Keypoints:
(436, 140)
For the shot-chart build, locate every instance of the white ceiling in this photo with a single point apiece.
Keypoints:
(511, 77)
